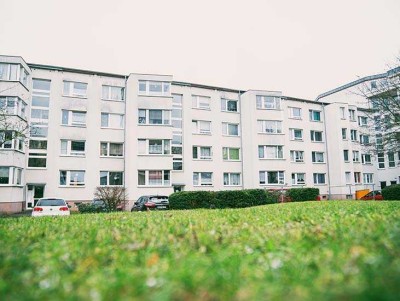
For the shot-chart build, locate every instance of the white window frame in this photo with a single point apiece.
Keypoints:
(107, 173)
(362, 121)
(201, 102)
(313, 137)
(312, 116)
(37, 154)
(226, 127)
(364, 157)
(316, 178)
(113, 116)
(228, 181)
(352, 115)
(297, 156)
(316, 157)
(199, 130)
(270, 127)
(391, 160)
(292, 111)
(357, 177)
(69, 86)
(347, 177)
(165, 88)
(202, 181)
(264, 177)
(342, 113)
(14, 175)
(295, 178)
(199, 149)
(381, 160)
(144, 117)
(225, 105)
(145, 148)
(164, 182)
(69, 174)
(106, 93)
(277, 149)
(71, 118)
(226, 153)
(108, 149)
(364, 139)
(353, 135)
(266, 102)
(68, 148)
(356, 156)
(368, 178)
(293, 136)
(18, 106)
(344, 133)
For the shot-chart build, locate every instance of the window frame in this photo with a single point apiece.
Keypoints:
(71, 88)
(68, 178)
(280, 177)
(228, 176)
(108, 177)
(200, 181)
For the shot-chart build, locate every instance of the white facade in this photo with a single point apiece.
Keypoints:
(153, 136)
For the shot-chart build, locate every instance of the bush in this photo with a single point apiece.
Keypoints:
(87, 208)
(221, 199)
(391, 192)
(302, 194)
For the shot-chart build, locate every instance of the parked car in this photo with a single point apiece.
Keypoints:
(100, 205)
(372, 195)
(151, 202)
(50, 207)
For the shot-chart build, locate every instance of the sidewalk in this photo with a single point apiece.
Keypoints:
(18, 214)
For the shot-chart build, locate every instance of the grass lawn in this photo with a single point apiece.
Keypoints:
(297, 251)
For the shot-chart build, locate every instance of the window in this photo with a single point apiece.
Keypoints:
(319, 178)
(364, 139)
(270, 152)
(346, 155)
(231, 179)
(347, 176)
(353, 135)
(272, 177)
(112, 93)
(296, 156)
(10, 140)
(201, 102)
(317, 157)
(73, 118)
(296, 134)
(269, 126)
(230, 154)
(229, 105)
(111, 178)
(298, 178)
(362, 121)
(316, 136)
(38, 144)
(13, 72)
(72, 148)
(154, 146)
(177, 139)
(368, 178)
(202, 152)
(357, 177)
(37, 160)
(161, 117)
(154, 88)
(381, 160)
(114, 121)
(356, 156)
(352, 115)
(295, 113)
(75, 89)
(111, 149)
(230, 129)
(201, 127)
(154, 178)
(366, 159)
(344, 134)
(13, 106)
(10, 175)
(176, 150)
(392, 162)
(342, 113)
(315, 115)
(72, 177)
(38, 130)
(202, 178)
(268, 102)
(177, 164)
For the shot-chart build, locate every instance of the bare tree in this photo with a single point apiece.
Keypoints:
(382, 95)
(114, 197)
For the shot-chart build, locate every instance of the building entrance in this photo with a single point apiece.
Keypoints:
(34, 193)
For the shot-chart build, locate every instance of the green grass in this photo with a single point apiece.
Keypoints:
(296, 251)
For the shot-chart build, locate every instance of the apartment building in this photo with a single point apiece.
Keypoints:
(154, 135)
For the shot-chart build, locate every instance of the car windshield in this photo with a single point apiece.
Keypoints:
(51, 202)
(159, 198)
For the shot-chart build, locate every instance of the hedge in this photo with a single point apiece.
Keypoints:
(221, 199)
(302, 194)
(391, 192)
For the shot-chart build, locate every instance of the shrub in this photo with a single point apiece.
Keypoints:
(191, 200)
(114, 197)
(87, 208)
(263, 197)
(302, 194)
(391, 192)
(234, 199)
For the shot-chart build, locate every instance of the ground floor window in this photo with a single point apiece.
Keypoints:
(271, 177)
(111, 178)
(154, 178)
(10, 175)
(202, 178)
(231, 179)
(72, 177)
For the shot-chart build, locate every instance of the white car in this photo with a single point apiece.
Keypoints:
(50, 207)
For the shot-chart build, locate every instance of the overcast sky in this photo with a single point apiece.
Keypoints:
(302, 48)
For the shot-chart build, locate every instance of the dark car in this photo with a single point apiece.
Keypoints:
(373, 195)
(151, 202)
